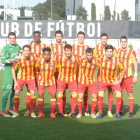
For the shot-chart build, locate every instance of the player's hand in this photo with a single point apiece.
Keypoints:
(15, 85)
(16, 58)
(83, 56)
(135, 79)
(10, 61)
(53, 59)
(117, 82)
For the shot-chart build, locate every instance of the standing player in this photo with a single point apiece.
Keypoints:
(108, 78)
(26, 76)
(79, 50)
(36, 48)
(58, 49)
(86, 80)
(9, 52)
(67, 76)
(127, 56)
(99, 50)
(46, 79)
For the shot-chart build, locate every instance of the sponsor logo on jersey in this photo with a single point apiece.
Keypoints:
(9, 86)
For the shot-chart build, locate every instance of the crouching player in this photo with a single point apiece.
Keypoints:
(67, 76)
(108, 78)
(86, 80)
(46, 79)
(26, 76)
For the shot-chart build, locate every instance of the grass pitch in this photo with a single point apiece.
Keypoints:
(66, 128)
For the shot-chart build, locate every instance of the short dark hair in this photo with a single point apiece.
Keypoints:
(12, 33)
(89, 50)
(68, 46)
(27, 46)
(80, 32)
(123, 37)
(36, 32)
(103, 34)
(46, 50)
(109, 47)
(59, 32)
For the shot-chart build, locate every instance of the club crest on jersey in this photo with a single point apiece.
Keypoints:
(63, 46)
(42, 48)
(132, 85)
(93, 64)
(127, 53)
(85, 48)
(32, 60)
(51, 64)
(73, 62)
(113, 63)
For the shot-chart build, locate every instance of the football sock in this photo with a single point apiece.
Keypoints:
(80, 105)
(53, 105)
(93, 105)
(28, 101)
(118, 103)
(110, 100)
(16, 103)
(131, 104)
(33, 104)
(100, 102)
(60, 103)
(73, 103)
(40, 105)
(4, 99)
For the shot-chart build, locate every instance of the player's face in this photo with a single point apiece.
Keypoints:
(104, 40)
(123, 43)
(37, 38)
(68, 52)
(89, 56)
(58, 38)
(109, 53)
(47, 56)
(26, 52)
(12, 39)
(81, 38)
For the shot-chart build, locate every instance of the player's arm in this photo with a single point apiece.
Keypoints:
(134, 59)
(122, 73)
(14, 67)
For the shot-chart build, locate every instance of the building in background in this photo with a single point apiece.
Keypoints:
(137, 10)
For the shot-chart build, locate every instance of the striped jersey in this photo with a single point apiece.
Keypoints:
(67, 71)
(57, 50)
(26, 67)
(86, 71)
(108, 69)
(127, 57)
(46, 75)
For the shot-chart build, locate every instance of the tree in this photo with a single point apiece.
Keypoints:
(22, 14)
(118, 17)
(107, 14)
(93, 11)
(81, 13)
(125, 15)
(40, 12)
(114, 15)
(2, 15)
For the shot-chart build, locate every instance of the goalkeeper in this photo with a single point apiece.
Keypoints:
(10, 53)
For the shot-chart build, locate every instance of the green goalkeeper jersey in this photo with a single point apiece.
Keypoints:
(9, 52)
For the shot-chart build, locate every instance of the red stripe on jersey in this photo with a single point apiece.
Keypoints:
(127, 64)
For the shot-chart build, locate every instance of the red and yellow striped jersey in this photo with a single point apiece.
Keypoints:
(46, 75)
(86, 71)
(108, 69)
(99, 50)
(67, 71)
(127, 57)
(57, 50)
(26, 67)
(79, 51)
(37, 49)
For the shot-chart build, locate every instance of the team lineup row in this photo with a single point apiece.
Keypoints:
(60, 65)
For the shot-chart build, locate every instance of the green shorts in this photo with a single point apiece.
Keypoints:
(8, 81)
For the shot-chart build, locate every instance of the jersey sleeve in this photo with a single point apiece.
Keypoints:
(133, 56)
(115, 52)
(37, 64)
(120, 66)
(4, 54)
(15, 65)
(95, 52)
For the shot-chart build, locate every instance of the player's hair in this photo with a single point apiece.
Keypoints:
(12, 33)
(80, 33)
(109, 47)
(68, 46)
(123, 37)
(26, 46)
(58, 32)
(46, 50)
(89, 50)
(36, 32)
(103, 34)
